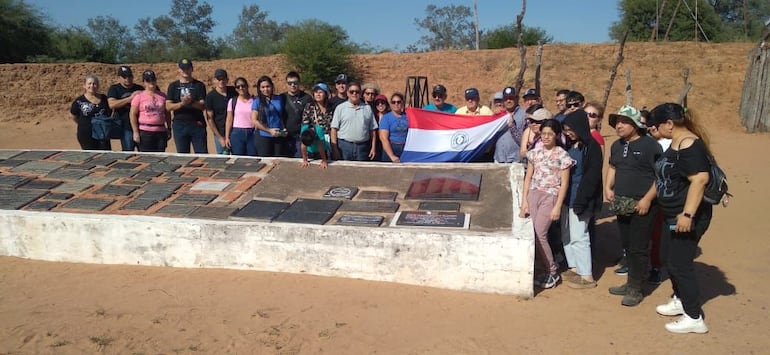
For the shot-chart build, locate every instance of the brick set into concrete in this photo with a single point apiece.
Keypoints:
(193, 211)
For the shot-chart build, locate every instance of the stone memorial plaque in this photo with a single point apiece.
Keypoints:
(12, 181)
(72, 187)
(84, 166)
(74, 157)
(38, 184)
(125, 165)
(90, 204)
(346, 192)
(210, 186)
(258, 209)
(15, 199)
(139, 204)
(101, 162)
(133, 182)
(177, 210)
(35, 154)
(8, 154)
(182, 180)
(369, 206)
(202, 172)
(360, 220)
(215, 163)
(41, 205)
(313, 205)
(116, 190)
(212, 212)
(121, 173)
(97, 180)
(38, 167)
(440, 186)
(8, 163)
(68, 174)
(309, 211)
(439, 206)
(245, 165)
(194, 165)
(180, 160)
(377, 195)
(149, 159)
(163, 186)
(293, 216)
(58, 196)
(162, 167)
(432, 219)
(195, 199)
(147, 175)
(229, 175)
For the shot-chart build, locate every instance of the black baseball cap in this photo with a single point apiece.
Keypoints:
(341, 78)
(439, 89)
(125, 71)
(509, 91)
(220, 73)
(531, 92)
(185, 63)
(149, 76)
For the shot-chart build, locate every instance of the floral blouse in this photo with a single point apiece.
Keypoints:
(547, 165)
(312, 114)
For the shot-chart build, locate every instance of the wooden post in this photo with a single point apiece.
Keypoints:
(687, 86)
(755, 98)
(614, 70)
(522, 48)
(537, 67)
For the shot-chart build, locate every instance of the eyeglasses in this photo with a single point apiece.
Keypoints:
(438, 96)
(573, 104)
(241, 86)
(396, 102)
(380, 102)
(369, 92)
(354, 92)
(534, 121)
(221, 78)
(592, 114)
(292, 83)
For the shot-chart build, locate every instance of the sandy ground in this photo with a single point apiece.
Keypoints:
(61, 308)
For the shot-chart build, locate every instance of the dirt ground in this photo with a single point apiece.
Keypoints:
(61, 308)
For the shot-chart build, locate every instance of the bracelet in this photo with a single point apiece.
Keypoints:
(687, 215)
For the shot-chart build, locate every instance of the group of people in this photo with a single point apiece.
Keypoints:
(658, 170)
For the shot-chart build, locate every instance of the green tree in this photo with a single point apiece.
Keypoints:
(508, 36)
(74, 44)
(743, 19)
(449, 27)
(24, 32)
(638, 18)
(254, 35)
(319, 51)
(111, 37)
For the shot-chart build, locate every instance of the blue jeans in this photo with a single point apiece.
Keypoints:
(186, 133)
(218, 147)
(397, 148)
(576, 239)
(354, 151)
(242, 142)
(127, 140)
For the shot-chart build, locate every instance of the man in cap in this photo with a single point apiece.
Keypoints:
(530, 97)
(341, 88)
(186, 101)
(473, 107)
(216, 108)
(439, 101)
(294, 102)
(630, 185)
(354, 128)
(507, 146)
(119, 98)
(497, 102)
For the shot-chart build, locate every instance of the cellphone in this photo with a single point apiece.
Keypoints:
(672, 227)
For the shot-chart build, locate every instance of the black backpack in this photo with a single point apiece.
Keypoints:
(716, 189)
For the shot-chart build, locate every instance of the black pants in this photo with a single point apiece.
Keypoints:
(677, 252)
(635, 232)
(272, 146)
(153, 141)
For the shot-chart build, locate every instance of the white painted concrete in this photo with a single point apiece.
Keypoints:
(500, 262)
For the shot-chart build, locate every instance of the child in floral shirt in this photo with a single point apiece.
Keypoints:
(545, 186)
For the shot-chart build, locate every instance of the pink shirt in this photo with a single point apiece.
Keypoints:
(152, 111)
(242, 114)
(597, 137)
(548, 165)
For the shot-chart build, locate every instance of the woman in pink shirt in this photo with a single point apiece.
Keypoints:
(595, 112)
(239, 129)
(150, 121)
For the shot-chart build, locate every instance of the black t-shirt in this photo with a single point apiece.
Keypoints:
(336, 100)
(197, 89)
(293, 106)
(634, 164)
(86, 110)
(218, 103)
(118, 91)
(672, 170)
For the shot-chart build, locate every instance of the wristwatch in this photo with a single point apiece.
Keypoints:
(687, 214)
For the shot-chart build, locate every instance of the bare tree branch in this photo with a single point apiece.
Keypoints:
(614, 70)
(537, 67)
(522, 48)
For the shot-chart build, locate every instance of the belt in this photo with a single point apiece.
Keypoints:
(356, 143)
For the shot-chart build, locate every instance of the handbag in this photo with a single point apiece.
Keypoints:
(106, 127)
(623, 206)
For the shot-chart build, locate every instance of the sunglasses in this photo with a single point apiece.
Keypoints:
(292, 83)
(438, 96)
(369, 93)
(380, 102)
(354, 92)
(534, 121)
(593, 114)
(396, 102)
(241, 86)
(573, 104)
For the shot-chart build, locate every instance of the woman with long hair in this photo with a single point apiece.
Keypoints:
(150, 121)
(239, 130)
(682, 174)
(545, 187)
(536, 115)
(266, 112)
(394, 127)
(87, 106)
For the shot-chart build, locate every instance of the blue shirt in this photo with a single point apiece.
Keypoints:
(397, 127)
(446, 107)
(271, 116)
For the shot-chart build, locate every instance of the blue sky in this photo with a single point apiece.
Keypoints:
(383, 24)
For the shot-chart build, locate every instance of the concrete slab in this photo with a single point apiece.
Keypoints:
(8, 154)
(38, 167)
(210, 186)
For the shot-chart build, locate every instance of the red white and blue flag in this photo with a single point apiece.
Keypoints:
(444, 137)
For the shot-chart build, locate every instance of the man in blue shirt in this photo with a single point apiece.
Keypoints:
(439, 101)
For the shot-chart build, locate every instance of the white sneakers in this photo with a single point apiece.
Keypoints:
(683, 324)
(672, 308)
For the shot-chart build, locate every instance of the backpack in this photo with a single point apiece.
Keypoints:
(716, 188)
